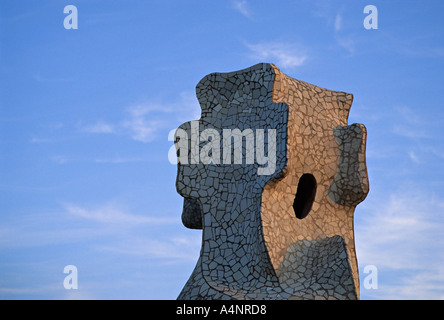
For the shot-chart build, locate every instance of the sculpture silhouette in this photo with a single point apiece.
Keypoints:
(276, 197)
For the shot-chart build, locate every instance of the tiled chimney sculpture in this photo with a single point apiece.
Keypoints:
(271, 173)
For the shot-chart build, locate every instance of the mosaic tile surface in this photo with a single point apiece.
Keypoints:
(277, 216)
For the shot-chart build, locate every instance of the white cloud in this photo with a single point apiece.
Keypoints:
(409, 131)
(143, 121)
(325, 10)
(105, 227)
(32, 289)
(77, 295)
(139, 123)
(242, 7)
(99, 127)
(141, 127)
(174, 248)
(108, 240)
(437, 150)
(112, 214)
(13, 291)
(421, 285)
(413, 49)
(346, 42)
(131, 235)
(338, 22)
(42, 229)
(282, 54)
(403, 221)
(42, 140)
(414, 157)
(403, 236)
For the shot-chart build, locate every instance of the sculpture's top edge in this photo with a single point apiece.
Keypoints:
(259, 66)
(344, 99)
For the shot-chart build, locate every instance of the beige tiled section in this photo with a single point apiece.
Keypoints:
(312, 147)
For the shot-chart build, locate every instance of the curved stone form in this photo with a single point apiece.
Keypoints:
(292, 136)
(317, 269)
(191, 214)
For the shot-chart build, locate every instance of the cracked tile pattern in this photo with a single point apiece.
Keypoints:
(253, 245)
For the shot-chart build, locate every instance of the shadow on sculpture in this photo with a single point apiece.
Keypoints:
(271, 173)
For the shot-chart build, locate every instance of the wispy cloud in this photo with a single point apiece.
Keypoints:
(437, 150)
(418, 285)
(344, 39)
(333, 15)
(143, 121)
(129, 240)
(174, 248)
(242, 7)
(104, 236)
(325, 10)
(409, 123)
(42, 140)
(416, 46)
(410, 116)
(421, 51)
(33, 289)
(406, 131)
(407, 221)
(52, 131)
(403, 235)
(346, 42)
(338, 22)
(39, 229)
(414, 157)
(99, 127)
(141, 125)
(283, 54)
(112, 214)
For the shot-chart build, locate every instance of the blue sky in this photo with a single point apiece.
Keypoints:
(85, 115)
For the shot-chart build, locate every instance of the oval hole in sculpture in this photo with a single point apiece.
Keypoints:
(305, 195)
